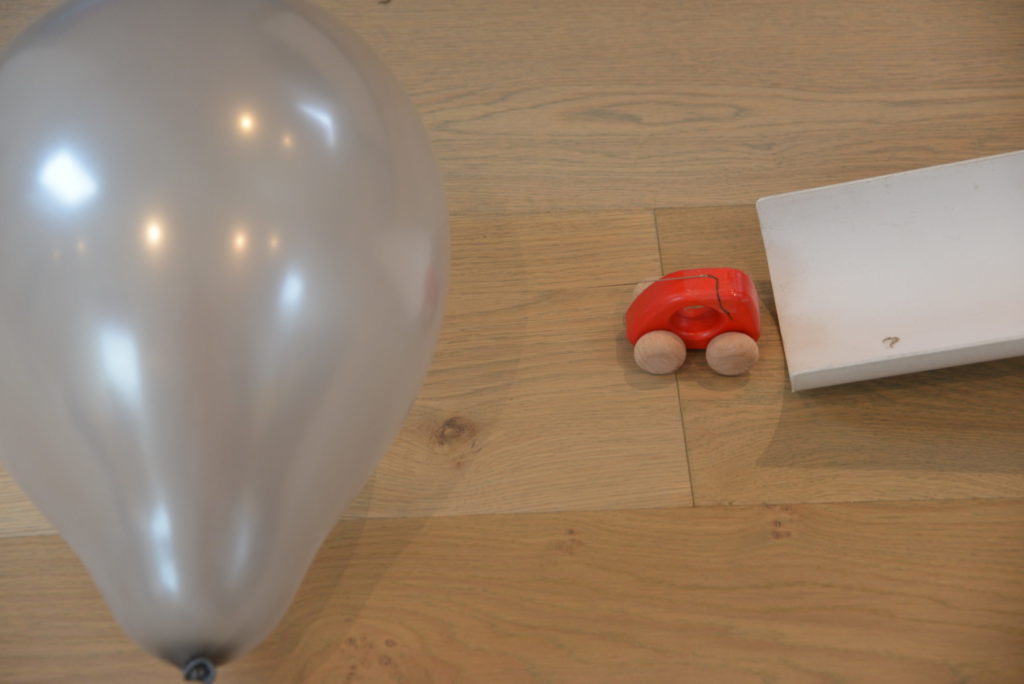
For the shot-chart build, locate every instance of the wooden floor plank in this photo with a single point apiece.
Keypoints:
(581, 104)
(928, 592)
(538, 108)
(944, 434)
(533, 419)
(532, 387)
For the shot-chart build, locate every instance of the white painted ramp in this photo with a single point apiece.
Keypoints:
(901, 273)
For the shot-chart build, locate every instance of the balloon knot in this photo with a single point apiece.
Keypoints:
(200, 670)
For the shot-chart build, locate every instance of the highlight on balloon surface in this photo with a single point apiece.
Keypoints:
(223, 258)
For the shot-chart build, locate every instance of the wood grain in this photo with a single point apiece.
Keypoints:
(950, 433)
(581, 104)
(533, 395)
(533, 403)
(533, 385)
(927, 593)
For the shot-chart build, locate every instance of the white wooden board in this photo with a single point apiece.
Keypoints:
(900, 273)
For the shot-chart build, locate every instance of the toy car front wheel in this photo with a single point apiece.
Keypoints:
(732, 353)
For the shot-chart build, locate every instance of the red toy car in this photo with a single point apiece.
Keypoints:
(708, 308)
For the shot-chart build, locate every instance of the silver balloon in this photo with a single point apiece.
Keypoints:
(223, 253)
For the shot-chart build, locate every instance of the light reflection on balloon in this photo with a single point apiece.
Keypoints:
(240, 241)
(67, 180)
(292, 290)
(246, 123)
(154, 234)
(161, 535)
(119, 358)
(322, 118)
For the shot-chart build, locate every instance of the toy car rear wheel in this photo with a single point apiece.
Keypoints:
(660, 352)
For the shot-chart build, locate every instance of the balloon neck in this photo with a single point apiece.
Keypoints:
(200, 670)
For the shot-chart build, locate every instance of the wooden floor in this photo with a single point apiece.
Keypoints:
(549, 513)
